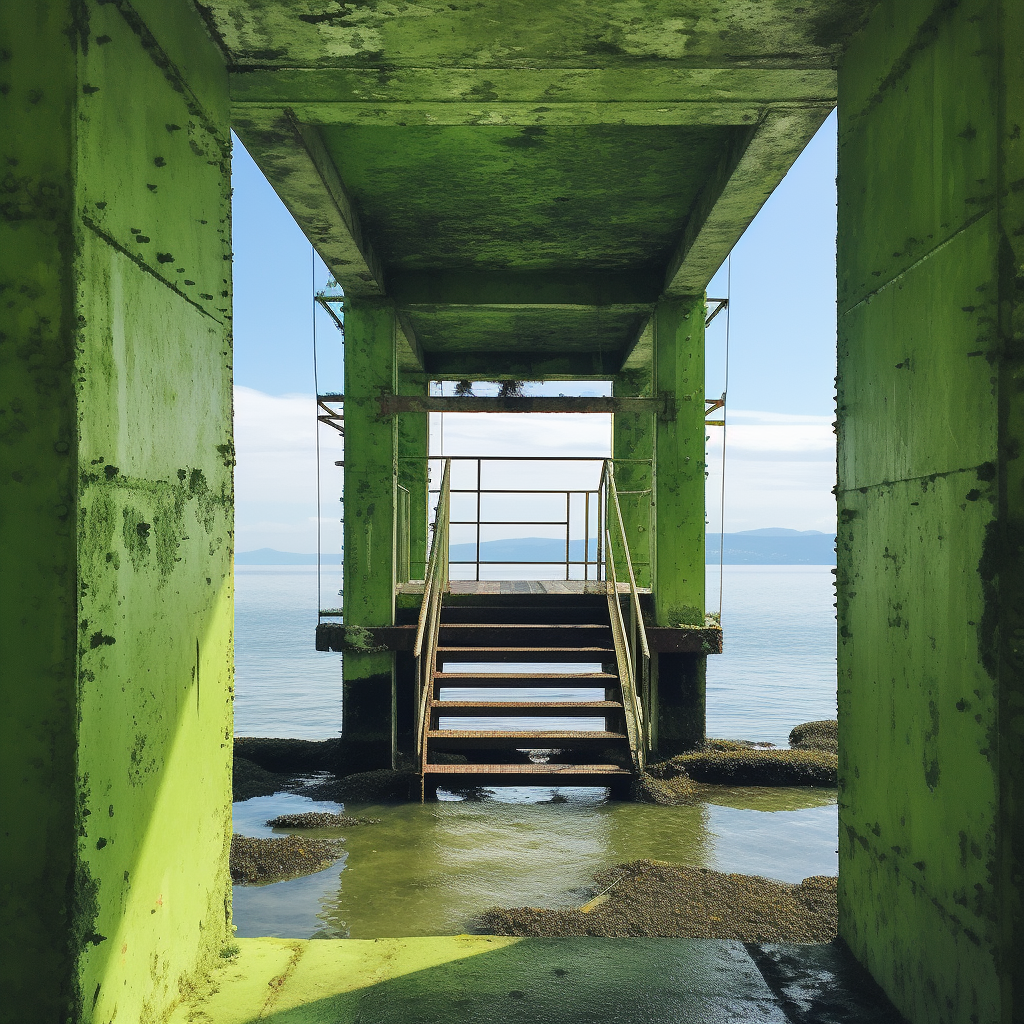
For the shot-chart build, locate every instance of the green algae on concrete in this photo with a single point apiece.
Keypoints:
(679, 680)
(371, 466)
(930, 423)
(115, 391)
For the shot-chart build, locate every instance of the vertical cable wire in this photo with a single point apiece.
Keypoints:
(725, 392)
(316, 427)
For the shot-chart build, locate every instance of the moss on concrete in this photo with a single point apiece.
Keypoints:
(115, 505)
(260, 861)
(649, 898)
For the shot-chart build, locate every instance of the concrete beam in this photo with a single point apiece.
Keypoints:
(291, 152)
(747, 175)
(392, 404)
(501, 365)
(714, 95)
(524, 288)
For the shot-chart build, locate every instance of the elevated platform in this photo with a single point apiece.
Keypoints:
(597, 588)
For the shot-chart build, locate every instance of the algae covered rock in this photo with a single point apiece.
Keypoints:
(318, 819)
(816, 736)
(676, 791)
(249, 779)
(258, 861)
(653, 899)
(378, 787)
(751, 766)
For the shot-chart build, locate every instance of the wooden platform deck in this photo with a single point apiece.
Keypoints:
(485, 587)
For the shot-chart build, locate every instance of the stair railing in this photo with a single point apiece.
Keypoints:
(429, 623)
(632, 651)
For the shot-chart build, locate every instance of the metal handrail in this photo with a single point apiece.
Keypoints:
(590, 499)
(429, 622)
(632, 649)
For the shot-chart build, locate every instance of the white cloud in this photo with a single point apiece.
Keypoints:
(275, 473)
(780, 468)
(780, 471)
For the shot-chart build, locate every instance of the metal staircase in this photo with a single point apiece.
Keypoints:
(599, 738)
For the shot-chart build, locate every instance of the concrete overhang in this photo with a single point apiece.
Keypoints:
(524, 181)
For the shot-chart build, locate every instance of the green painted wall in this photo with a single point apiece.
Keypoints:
(115, 508)
(930, 602)
(371, 451)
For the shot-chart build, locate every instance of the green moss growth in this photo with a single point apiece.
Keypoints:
(289, 755)
(314, 819)
(249, 780)
(816, 736)
(749, 766)
(259, 861)
(652, 899)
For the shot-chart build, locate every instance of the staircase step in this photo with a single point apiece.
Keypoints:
(526, 708)
(525, 774)
(477, 739)
(525, 654)
(538, 613)
(526, 680)
(532, 634)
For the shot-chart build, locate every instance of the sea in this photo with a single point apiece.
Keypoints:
(434, 869)
(778, 667)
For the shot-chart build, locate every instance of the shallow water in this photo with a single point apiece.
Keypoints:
(433, 869)
(427, 870)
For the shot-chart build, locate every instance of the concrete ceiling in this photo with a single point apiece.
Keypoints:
(525, 179)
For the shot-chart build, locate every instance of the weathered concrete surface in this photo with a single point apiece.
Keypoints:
(483, 979)
(115, 508)
(371, 468)
(524, 184)
(931, 524)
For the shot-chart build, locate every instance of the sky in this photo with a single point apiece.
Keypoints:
(781, 327)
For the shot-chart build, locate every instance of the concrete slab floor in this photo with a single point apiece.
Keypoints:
(479, 979)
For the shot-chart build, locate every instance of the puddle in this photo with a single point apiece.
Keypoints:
(433, 869)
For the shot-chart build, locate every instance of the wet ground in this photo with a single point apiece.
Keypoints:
(434, 869)
(485, 979)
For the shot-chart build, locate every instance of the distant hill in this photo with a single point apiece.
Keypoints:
(771, 546)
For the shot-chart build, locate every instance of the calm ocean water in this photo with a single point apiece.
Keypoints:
(433, 869)
(778, 669)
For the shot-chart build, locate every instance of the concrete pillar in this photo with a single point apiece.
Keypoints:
(678, 577)
(115, 508)
(371, 449)
(633, 438)
(931, 506)
(413, 440)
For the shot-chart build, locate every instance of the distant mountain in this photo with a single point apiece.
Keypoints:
(778, 531)
(771, 546)
(754, 547)
(269, 556)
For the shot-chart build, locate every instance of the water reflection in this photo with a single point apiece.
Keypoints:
(433, 869)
